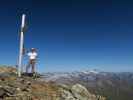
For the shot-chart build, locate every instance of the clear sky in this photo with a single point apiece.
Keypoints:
(70, 34)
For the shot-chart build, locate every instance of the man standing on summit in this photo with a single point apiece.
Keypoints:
(32, 60)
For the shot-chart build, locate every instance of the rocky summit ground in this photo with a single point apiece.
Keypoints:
(34, 88)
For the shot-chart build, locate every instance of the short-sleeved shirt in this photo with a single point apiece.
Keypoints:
(32, 55)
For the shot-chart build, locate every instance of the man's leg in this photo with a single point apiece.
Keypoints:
(33, 66)
(28, 66)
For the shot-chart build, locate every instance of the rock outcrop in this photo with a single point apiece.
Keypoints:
(78, 92)
(29, 88)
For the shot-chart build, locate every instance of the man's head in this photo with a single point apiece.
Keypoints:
(33, 50)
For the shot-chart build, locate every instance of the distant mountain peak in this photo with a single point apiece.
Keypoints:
(90, 71)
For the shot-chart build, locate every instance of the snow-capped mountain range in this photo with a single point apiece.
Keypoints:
(53, 76)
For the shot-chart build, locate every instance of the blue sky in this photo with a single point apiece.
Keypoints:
(70, 34)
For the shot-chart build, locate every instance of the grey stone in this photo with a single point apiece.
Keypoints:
(80, 92)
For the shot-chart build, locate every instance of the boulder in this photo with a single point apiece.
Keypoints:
(67, 95)
(80, 92)
(77, 92)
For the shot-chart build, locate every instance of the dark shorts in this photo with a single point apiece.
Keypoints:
(32, 61)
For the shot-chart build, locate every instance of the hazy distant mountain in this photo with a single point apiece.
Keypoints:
(115, 86)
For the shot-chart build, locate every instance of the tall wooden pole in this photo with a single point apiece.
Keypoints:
(21, 45)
